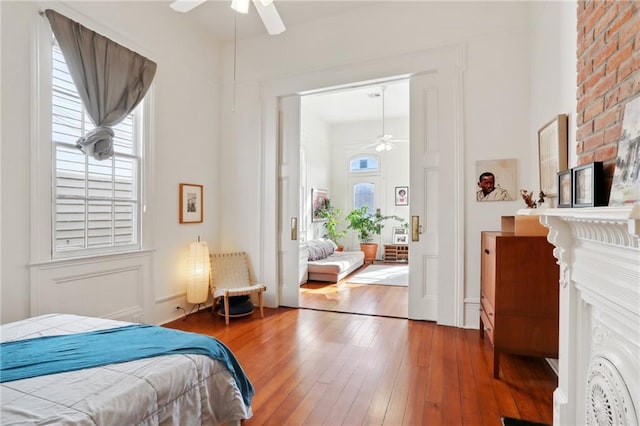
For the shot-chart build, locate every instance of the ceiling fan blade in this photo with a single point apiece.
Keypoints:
(185, 5)
(270, 17)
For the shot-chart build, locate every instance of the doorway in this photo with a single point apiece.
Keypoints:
(354, 148)
(436, 281)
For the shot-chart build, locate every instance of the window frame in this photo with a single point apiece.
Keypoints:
(43, 160)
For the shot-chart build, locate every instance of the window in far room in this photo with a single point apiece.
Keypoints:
(364, 176)
(96, 203)
(364, 164)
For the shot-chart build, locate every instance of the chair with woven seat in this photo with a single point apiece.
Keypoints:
(230, 278)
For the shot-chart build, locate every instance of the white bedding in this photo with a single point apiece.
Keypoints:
(167, 390)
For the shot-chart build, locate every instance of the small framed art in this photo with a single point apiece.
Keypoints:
(399, 230)
(401, 239)
(587, 182)
(564, 189)
(318, 202)
(190, 203)
(552, 153)
(402, 195)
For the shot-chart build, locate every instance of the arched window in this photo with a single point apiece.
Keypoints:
(364, 170)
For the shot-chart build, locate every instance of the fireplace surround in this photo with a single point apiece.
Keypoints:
(598, 252)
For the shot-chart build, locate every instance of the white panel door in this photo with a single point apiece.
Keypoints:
(425, 166)
(289, 199)
(435, 192)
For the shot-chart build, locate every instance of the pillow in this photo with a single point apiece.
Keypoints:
(319, 249)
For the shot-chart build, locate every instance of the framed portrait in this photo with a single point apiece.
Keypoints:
(496, 180)
(564, 188)
(625, 189)
(190, 203)
(401, 239)
(402, 195)
(552, 153)
(587, 185)
(318, 202)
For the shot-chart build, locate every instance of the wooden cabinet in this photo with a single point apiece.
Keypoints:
(396, 253)
(519, 296)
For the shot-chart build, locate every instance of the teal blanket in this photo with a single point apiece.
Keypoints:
(57, 354)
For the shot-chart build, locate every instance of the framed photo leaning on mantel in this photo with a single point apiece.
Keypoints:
(564, 188)
(552, 153)
(191, 203)
(587, 186)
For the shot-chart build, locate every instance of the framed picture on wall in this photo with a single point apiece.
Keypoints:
(318, 202)
(402, 195)
(496, 180)
(552, 153)
(190, 203)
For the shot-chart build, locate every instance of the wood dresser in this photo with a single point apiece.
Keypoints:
(519, 295)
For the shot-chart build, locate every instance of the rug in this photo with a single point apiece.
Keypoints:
(509, 421)
(382, 275)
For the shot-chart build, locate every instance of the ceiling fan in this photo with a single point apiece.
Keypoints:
(266, 9)
(384, 142)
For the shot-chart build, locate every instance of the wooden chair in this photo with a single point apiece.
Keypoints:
(230, 277)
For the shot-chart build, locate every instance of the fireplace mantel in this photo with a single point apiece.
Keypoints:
(598, 250)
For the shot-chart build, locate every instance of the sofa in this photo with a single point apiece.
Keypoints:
(319, 261)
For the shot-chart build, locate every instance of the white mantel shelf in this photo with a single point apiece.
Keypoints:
(598, 250)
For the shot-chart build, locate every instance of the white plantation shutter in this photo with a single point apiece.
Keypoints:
(96, 203)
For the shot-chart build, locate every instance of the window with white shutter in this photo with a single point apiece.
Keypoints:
(96, 204)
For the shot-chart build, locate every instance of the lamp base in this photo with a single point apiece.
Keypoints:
(194, 307)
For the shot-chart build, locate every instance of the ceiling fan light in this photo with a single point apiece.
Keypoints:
(380, 147)
(241, 6)
(387, 147)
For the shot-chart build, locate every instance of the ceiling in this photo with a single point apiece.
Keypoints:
(216, 17)
(360, 104)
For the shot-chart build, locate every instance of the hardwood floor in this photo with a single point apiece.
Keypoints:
(382, 300)
(313, 368)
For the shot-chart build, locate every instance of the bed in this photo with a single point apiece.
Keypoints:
(179, 389)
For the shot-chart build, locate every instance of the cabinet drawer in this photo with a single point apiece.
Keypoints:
(488, 326)
(488, 267)
(487, 308)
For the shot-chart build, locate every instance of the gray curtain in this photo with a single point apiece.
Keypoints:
(111, 79)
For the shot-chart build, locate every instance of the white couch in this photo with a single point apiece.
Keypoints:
(320, 262)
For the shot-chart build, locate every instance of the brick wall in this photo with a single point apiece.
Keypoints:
(608, 76)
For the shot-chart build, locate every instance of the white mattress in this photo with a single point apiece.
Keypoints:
(168, 390)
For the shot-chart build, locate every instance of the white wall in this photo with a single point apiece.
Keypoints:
(553, 69)
(185, 138)
(316, 143)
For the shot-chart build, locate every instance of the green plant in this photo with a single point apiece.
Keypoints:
(368, 224)
(332, 216)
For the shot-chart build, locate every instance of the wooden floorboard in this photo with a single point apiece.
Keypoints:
(367, 299)
(312, 367)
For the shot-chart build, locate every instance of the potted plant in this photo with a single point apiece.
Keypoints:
(367, 225)
(332, 216)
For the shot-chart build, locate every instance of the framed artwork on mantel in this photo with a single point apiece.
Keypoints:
(552, 154)
(625, 189)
